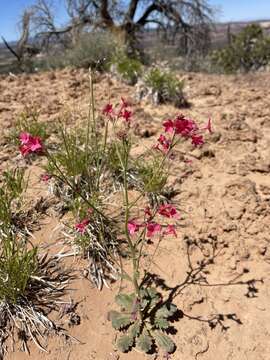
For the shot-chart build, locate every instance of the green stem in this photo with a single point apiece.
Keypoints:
(135, 264)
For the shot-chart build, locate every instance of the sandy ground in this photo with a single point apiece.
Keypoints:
(217, 270)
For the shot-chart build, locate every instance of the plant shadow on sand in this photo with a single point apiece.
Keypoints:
(197, 276)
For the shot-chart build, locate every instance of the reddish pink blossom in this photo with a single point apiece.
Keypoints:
(45, 177)
(197, 140)
(170, 230)
(148, 212)
(169, 126)
(108, 110)
(30, 144)
(152, 229)
(126, 114)
(81, 226)
(24, 138)
(168, 211)
(164, 142)
(133, 227)
(184, 127)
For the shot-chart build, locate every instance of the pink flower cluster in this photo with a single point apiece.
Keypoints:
(184, 127)
(30, 144)
(82, 225)
(153, 228)
(123, 112)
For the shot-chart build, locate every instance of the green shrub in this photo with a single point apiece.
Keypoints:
(93, 50)
(129, 69)
(166, 87)
(249, 50)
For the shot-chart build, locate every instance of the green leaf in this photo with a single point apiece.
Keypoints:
(166, 311)
(119, 321)
(145, 342)
(134, 330)
(164, 341)
(124, 343)
(125, 301)
(161, 323)
(152, 292)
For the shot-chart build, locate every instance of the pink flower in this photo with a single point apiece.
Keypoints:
(197, 140)
(168, 211)
(184, 127)
(170, 230)
(108, 109)
(45, 177)
(81, 227)
(152, 229)
(133, 227)
(35, 144)
(30, 144)
(148, 212)
(168, 125)
(126, 114)
(164, 142)
(24, 138)
(25, 150)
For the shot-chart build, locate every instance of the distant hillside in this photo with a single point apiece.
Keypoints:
(150, 38)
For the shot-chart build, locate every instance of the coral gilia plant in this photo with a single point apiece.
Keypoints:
(144, 318)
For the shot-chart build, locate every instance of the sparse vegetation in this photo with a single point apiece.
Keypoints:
(29, 284)
(249, 50)
(128, 69)
(164, 87)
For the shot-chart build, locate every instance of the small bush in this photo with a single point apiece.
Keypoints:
(93, 50)
(249, 50)
(164, 87)
(128, 69)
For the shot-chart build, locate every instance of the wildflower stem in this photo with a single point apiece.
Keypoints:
(132, 247)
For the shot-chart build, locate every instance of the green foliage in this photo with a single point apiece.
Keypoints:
(93, 50)
(142, 319)
(17, 265)
(119, 320)
(125, 301)
(166, 87)
(28, 121)
(71, 157)
(164, 341)
(13, 184)
(249, 50)
(129, 69)
(124, 343)
(144, 342)
(152, 176)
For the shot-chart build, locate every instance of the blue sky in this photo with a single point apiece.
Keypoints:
(230, 10)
